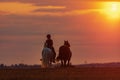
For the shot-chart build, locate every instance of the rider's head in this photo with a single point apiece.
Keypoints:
(48, 36)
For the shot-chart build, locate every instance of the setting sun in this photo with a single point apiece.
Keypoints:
(112, 9)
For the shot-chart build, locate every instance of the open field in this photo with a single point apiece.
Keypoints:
(81, 73)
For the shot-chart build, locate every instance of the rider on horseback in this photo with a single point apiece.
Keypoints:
(49, 43)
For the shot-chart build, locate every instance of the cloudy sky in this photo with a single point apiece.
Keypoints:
(92, 28)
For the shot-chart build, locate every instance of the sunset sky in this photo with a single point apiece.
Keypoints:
(92, 27)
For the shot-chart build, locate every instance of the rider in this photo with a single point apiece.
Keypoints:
(49, 43)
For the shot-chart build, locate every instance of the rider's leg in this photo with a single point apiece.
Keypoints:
(54, 54)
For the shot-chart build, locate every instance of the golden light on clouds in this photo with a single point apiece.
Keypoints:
(16, 8)
(25, 8)
(111, 9)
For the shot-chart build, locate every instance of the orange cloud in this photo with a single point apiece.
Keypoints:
(24, 8)
(3, 13)
(30, 9)
(16, 8)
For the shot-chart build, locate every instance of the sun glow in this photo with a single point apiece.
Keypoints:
(112, 9)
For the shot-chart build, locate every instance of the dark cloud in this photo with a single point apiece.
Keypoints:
(3, 13)
(50, 10)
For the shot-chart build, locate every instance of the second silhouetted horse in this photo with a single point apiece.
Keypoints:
(65, 54)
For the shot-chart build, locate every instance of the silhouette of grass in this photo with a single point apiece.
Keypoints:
(82, 73)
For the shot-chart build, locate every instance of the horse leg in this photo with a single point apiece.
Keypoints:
(47, 63)
(65, 63)
(62, 63)
(68, 64)
(54, 55)
(50, 62)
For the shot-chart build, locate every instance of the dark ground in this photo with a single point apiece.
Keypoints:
(81, 73)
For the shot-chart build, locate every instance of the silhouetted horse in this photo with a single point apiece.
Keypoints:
(65, 54)
(47, 56)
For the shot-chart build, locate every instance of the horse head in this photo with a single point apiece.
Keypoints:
(66, 43)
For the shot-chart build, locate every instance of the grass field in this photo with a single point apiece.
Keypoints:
(81, 73)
